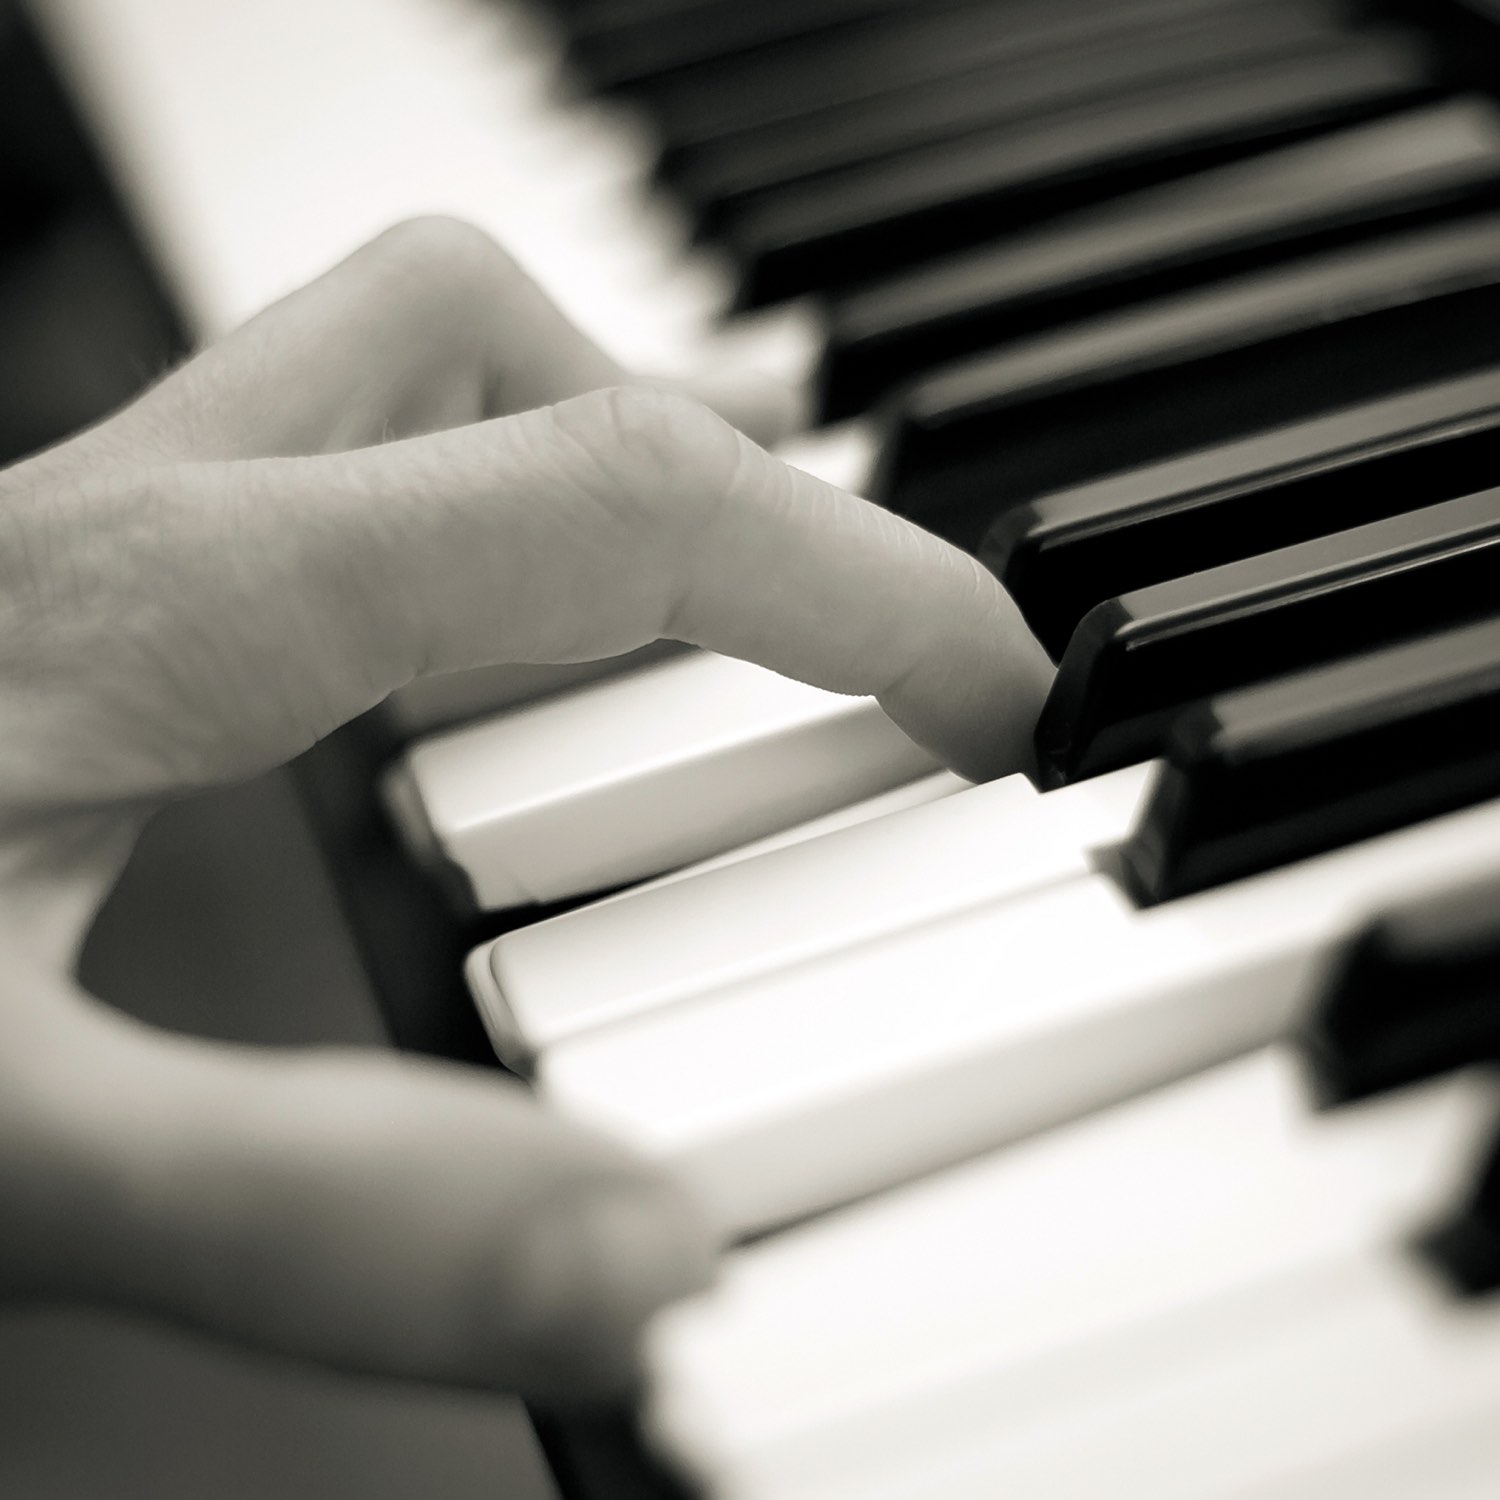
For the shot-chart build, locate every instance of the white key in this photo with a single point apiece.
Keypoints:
(633, 776)
(844, 1075)
(1361, 1349)
(845, 1336)
(260, 142)
(688, 936)
(522, 1017)
(1454, 1459)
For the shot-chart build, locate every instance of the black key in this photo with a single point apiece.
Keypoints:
(1061, 555)
(1415, 994)
(850, 226)
(1136, 661)
(1445, 158)
(1205, 367)
(721, 174)
(927, 44)
(1465, 1248)
(642, 45)
(1259, 778)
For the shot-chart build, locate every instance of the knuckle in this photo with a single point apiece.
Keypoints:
(438, 253)
(667, 443)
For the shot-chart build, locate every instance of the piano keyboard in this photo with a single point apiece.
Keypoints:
(1181, 315)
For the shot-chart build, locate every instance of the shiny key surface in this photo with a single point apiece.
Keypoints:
(1134, 662)
(635, 775)
(718, 174)
(1066, 552)
(1188, 371)
(805, 1088)
(865, 220)
(1340, 187)
(925, 43)
(1024, 1261)
(666, 943)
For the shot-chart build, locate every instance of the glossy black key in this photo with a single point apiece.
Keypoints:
(1421, 164)
(847, 227)
(638, 47)
(1191, 371)
(1061, 555)
(1136, 661)
(1414, 994)
(1256, 779)
(1464, 1248)
(719, 175)
(928, 44)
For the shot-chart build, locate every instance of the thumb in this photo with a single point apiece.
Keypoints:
(379, 1216)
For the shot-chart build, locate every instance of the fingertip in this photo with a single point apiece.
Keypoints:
(974, 692)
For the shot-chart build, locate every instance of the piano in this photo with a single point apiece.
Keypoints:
(1119, 1129)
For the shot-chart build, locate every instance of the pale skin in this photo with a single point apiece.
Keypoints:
(334, 499)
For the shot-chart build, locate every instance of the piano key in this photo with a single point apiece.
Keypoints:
(1135, 662)
(1464, 1245)
(1417, 990)
(1009, 1265)
(639, 47)
(721, 172)
(1259, 777)
(851, 225)
(1064, 553)
(1163, 239)
(784, 1095)
(913, 794)
(632, 776)
(516, 1044)
(1189, 371)
(666, 943)
(1298, 1371)
(925, 45)
(1455, 1459)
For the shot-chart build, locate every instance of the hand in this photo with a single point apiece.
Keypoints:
(303, 518)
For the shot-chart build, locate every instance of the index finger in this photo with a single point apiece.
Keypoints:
(596, 525)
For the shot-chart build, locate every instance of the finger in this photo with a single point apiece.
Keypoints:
(591, 527)
(375, 1215)
(429, 326)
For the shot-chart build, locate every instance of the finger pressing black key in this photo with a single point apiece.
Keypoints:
(1135, 662)
(1061, 555)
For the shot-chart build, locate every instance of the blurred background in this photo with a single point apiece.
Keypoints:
(224, 926)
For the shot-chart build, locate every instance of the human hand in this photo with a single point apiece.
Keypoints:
(323, 506)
